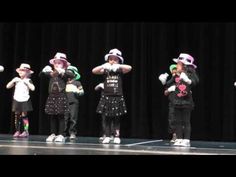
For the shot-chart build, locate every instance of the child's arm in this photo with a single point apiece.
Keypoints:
(30, 84)
(12, 82)
(125, 68)
(1, 68)
(100, 69)
(80, 91)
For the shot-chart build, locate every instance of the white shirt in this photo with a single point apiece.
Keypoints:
(21, 93)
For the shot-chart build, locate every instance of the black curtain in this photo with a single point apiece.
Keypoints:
(149, 49)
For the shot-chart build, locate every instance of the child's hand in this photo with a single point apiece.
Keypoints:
(171, 88)
(47, 69)
(107, 66)
(115, 67)
(60, 70)
(16, 79)
(185, 78)
(163, 78)
(1, 68)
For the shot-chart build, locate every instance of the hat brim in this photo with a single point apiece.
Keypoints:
(176, 60)
(65, 61)
(29, 71)
(107, 56)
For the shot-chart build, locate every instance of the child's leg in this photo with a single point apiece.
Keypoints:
(73, 119)
(61, 128)
(116, 126)
(67, 123)
(25, 120)
(107, 130)
(53, 124)
(17, 124)
(103, 131)
(117, 130)
(61, 124)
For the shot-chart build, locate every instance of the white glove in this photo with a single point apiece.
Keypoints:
(16, 79)
(107, 66)
(171, 88)
(115, 67)
(163, 78)
(26, 80)
(99, 86)
(60, 70)
(47, 69)
(185, 78)
(1, 68)
(235, 84)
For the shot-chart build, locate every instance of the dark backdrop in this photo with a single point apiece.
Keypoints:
(149, 49)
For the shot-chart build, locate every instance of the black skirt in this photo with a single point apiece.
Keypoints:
(57, 103)
(22, 106)
(111, 106)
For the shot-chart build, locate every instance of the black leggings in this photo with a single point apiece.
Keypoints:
(111, 126)
(183, 126)
(57, 124)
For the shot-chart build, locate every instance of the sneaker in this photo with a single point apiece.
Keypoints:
(117, 140)
(106, 140)
(72, 136)
(24, 134)
(186, 143)
(51, 138)
(60, 138)
(173, 138)
(178, 142)
(16, 134)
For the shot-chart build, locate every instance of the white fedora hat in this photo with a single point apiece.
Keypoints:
(25, 67)
(185, 59)
(60, 56)
(114, 52)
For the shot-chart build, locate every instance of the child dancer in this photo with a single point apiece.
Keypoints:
(167, 92)
(74, 89)
(112, 103)
(185, 78)
(21, 99)
(57, 102)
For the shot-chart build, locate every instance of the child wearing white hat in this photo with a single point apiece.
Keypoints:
(112, 103)
(184, 79)
(21, 99)
(57, 103)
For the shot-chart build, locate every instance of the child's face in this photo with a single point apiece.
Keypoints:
(180, 67)
(173, 72)
(58, 64)
(113, 60)
(23, 73)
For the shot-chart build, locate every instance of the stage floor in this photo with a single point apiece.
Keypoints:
(36, 145)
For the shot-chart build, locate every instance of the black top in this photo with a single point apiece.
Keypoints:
(113, 83)
(72, 96)
(57, 82)
(183, 93)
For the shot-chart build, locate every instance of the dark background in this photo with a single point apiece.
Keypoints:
(149, 48)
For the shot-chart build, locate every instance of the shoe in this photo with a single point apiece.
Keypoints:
(173, 138)
(186, 143)
(178, 142)
(16, 134)
(106, 140)
(24, 134)
(117, 140)
(72, 136)
(60, 138)
(51, 138)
